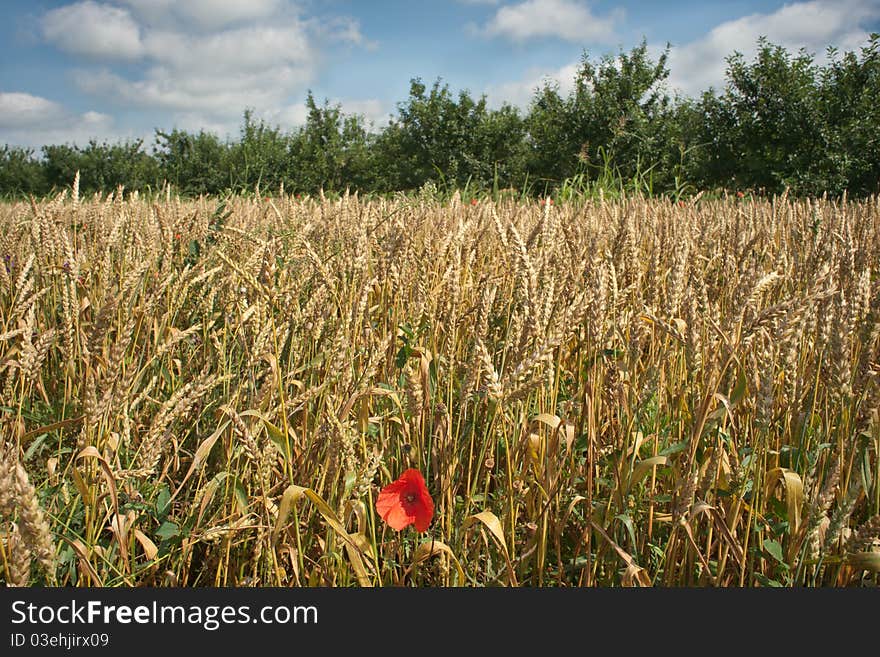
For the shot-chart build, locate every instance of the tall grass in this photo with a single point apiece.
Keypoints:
(612, 392)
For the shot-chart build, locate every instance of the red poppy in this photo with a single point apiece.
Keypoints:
(177, 236)
(406, 501)
(740, 194)
(473, 201)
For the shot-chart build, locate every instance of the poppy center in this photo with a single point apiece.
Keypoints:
(409, 498)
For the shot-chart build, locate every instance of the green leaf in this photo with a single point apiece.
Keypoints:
(34, 446)
(628, 523)
(162, 500)
(774, 549)
(674, 448)
(168, 530)
(241, 497)
(739, 390)
(276, 435)
(402, 356)
(766, 581)
(349, 482)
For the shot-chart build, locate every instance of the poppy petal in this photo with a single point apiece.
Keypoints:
(426, 511)
(406, 501)
(398, 518)
(423, 520)
(389, 497)
(412, 477)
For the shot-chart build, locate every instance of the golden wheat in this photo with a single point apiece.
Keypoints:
(598, 392)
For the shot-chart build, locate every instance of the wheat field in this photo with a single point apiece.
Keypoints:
(623, 392)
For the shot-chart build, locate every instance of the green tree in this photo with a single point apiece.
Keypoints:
(260, 158)
(849, 89)
(194, 164)
(101, 166)
(21, 173)
(781, 121)
(618, 117)
(776, 126)
(331, 151)
(451, 140)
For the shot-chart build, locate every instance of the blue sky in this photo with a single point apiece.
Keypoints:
(119, 69)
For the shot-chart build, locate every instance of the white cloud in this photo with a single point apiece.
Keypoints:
(290, 116)
(697, 65)
(174, 90)
(813, 25)
(205, 14)
(93, 30)
(374, 111)
(520, 92)
(31, 121)
(231, 51)
(202, 60)
(339, 29)
(194, 122)
(562, 19)
(21, 110)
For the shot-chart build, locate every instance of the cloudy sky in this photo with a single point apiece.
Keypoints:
(119, 69)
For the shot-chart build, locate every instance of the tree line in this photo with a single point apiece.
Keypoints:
(782, 121)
